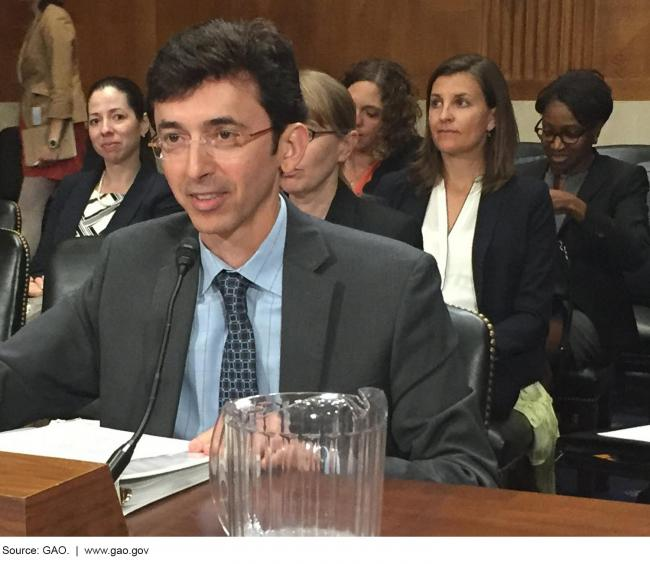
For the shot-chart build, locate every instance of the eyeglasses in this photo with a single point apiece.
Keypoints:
(174, 145)
(312, 133)
(567, 137)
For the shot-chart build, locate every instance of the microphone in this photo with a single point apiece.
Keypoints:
(186, 254)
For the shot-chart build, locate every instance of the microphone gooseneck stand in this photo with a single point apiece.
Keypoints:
(186, 254)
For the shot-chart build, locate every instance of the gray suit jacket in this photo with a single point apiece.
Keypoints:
(358, 310)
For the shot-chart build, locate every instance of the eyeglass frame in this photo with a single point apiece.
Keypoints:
(154, 144)
(313, 133)
(539, 131)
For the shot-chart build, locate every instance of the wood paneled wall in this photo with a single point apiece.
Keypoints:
(532, 40)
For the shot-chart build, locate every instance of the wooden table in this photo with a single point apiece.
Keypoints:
(426, 509)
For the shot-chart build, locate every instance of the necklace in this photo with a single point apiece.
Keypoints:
(108, 199)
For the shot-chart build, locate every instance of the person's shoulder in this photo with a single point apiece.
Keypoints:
(153, 178)
(55, 14)
(361, 249)
(386, 220)
(617, 168)
(166, 230)
(527, 183)
(76, 180)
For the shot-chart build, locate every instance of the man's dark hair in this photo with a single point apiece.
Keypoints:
(219, 49)
(584, 92)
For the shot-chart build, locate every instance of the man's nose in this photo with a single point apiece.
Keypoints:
(199, 160)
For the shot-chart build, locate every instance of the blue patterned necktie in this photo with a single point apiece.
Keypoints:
(238, 378)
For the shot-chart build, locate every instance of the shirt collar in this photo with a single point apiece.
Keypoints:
(263, 269)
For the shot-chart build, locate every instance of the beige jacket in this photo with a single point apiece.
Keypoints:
(48, 69)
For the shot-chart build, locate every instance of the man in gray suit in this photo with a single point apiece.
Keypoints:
(328, 308)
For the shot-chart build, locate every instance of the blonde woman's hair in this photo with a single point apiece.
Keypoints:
(328, 102)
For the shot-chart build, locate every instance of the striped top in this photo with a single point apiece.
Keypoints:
(98, 212)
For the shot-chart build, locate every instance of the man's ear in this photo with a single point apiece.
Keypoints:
(347, 144)
(292, 145)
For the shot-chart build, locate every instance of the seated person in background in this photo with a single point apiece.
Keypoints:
(601, 213)
(317, 187)
(126, 189)
(387, 112)
(228, 111)
(490, 231)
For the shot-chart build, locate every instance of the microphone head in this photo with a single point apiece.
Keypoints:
(186, 254)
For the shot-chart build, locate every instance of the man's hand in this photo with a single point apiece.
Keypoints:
(565, 202)
(201, 443)
(268, 445)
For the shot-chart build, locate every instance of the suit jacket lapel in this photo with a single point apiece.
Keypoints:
(486, 220)
(306, 305)
(595, 179)
(132, 200)
(164, 413)
(591, 185)
(344, 207)
(76, 204)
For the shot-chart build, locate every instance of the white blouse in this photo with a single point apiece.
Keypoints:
(453, 251)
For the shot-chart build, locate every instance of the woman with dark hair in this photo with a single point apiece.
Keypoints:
(601, 214)
(125, 189)
(48, 72)
(387, 112)
(317, 186)
(490, 231)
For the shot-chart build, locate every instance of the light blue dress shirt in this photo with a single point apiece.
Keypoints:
(198, 407)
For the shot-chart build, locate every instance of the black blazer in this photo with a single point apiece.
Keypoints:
(513, 255)
(612, 239)
(367, 215)
(337, 283)
(398, 160)
(148, 197)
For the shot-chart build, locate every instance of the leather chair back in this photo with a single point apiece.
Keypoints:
(14, 281)
(11, 170)
(634, 154)
(10, 215)
(476, 347)
(72, 262)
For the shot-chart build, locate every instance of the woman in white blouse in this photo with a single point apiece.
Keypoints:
(492, 233)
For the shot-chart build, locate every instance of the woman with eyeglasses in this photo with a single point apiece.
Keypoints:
(125, 189)
(317, 186)
(601, 214)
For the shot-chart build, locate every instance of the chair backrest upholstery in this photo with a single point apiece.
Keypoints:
(633, 154)
(71, 264)
(10, 215)
(476, 348)
(11, 171)
(14, 281)
(528, 150)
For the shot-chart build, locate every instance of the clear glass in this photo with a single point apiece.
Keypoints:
(300, 464)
